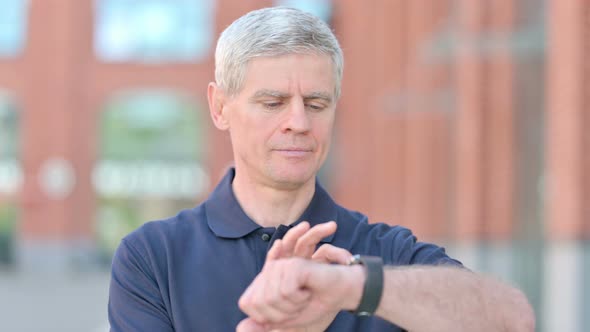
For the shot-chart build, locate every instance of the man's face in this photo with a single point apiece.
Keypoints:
(281, 121)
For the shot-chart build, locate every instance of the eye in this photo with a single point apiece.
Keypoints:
(315, 107)
(272, 105)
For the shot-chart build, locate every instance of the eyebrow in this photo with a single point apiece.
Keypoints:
(282, 95)
(319, 95)
(268, 93)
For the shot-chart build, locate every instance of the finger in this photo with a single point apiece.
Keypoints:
(328, 253)
(319, 280)
(261, 310)
(306, 318)
(298, 297)
(279, 293)
(292, 287)
(268, 314)
(250, 301)
(265, 298)
(250, 325)
(275, 251)
(306, 244)
(319, 325)
(264, 302)
(291, 237)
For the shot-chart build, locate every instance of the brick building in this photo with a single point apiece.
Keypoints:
(463, 120)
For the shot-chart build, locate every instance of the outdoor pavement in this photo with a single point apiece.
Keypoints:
(73, 302)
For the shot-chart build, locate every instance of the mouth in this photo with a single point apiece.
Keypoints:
(294, 152)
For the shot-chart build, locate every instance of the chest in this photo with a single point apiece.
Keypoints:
(205, 282)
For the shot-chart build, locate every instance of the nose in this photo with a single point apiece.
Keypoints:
(297, 119)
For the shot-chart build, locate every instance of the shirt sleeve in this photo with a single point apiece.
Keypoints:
(135, 301)
(406, 250)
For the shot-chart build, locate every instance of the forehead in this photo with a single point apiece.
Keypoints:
(293, 73)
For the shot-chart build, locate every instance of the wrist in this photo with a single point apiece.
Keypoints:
(355, 281)
(373, 286)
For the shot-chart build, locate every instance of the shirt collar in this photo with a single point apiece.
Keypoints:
(226, 218)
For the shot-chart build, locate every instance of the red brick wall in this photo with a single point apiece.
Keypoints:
(424, 139)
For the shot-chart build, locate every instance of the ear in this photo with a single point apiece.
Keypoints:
(217, 106)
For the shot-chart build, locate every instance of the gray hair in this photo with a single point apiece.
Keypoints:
(272, 31)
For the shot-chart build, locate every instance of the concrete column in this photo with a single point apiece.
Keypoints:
(566, 198)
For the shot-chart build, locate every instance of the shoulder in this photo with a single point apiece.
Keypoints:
(149, 252)
(356, 225)
(169, 227)
(155, 238)
(397, 245)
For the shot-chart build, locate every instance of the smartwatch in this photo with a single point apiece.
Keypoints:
(373, 288)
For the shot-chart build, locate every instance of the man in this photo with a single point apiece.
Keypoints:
(278, 73)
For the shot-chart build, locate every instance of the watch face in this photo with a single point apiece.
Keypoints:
(355, 259)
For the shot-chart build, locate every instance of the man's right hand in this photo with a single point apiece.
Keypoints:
(300, 241)
(299, 293)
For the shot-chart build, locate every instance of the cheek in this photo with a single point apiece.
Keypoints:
(257, 135)
(323, 131)
(244, 126)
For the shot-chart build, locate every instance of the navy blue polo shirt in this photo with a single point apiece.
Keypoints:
(187, 273)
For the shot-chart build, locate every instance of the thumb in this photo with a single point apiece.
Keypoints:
(328, 253)
(249, 325)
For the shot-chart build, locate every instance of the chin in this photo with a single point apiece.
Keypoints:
(292, 178)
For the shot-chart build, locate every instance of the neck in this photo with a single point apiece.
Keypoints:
(270, 206)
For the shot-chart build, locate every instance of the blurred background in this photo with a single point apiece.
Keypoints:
(465, 120)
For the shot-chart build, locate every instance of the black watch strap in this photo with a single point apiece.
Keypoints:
(373, 288)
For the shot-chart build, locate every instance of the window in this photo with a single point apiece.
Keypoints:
(13, 23)
(149, 166)
(11, 177)
(153, 31)
(319, 8)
